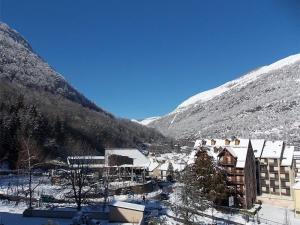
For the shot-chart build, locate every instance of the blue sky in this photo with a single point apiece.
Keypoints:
(141, 58)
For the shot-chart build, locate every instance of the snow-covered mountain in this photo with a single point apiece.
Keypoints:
(33, 95)
(264, 102)
(20, 65)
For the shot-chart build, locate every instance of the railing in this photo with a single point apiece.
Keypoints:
(270, 222)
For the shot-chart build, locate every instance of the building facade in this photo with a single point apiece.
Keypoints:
(237, 158)
(277, 170)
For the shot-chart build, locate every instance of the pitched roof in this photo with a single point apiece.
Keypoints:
(272, 149)
(287, 157)
(139, 159)
(240, 153)
(127, 205)
(153, 165)
(257, 146)
(222, 142)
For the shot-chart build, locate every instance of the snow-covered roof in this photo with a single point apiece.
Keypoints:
(272, 149)
(222, 142)
(240, 153)
(139, 159)
(197, 144)
(297, 186)
(257, 146)
(177, 166)
(164, 166)
(127, 205)
(287, 157)
(153, 165)
(191, 157)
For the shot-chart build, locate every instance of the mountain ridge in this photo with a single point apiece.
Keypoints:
(236, 99)
(37, 103)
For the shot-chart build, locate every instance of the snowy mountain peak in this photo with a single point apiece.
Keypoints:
(238, 83)
(146, 121)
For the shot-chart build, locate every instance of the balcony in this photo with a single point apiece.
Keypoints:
(284, 169)
(226, 163)
(276, 177)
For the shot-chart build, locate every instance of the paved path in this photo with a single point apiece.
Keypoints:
(218, 219)
(289, 204)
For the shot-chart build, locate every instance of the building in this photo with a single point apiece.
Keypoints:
(237, 158)
(296, 189)
(92, 162)
(258, 146)
(277, 170)
(297, 164)
(124, 212)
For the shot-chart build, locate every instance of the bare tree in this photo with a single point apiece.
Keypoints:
(77, 176)
(29, 159)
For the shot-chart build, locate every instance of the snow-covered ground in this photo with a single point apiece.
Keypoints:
(10, 214)
(278, 214)
(269, 214)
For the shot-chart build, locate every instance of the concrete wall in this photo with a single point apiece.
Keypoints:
(123, 215)
(297, 202)
(62, 214)
(138, 189)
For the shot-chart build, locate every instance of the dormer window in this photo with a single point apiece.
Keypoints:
(216, 150)
(227, 142)
(213, 142)
(203, 142)
(237, 142)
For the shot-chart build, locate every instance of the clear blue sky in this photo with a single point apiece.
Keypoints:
(140, 58)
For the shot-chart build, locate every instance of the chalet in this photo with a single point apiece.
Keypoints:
(237, 158)
(239, 164)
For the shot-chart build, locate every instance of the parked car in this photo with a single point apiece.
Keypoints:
(47, 198)
(164, 196)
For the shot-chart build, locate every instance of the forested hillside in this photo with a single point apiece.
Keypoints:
(38, 105)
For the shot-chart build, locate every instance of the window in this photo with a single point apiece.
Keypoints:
(267, 182)
(227, 142)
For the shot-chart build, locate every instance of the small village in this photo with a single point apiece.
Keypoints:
(131, 186)
(149, 112)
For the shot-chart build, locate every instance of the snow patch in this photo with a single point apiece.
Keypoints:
(146, 121)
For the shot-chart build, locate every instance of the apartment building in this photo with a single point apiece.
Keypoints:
(277, 170)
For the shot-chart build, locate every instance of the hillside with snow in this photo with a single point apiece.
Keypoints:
(263, 102)
(37, 102)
